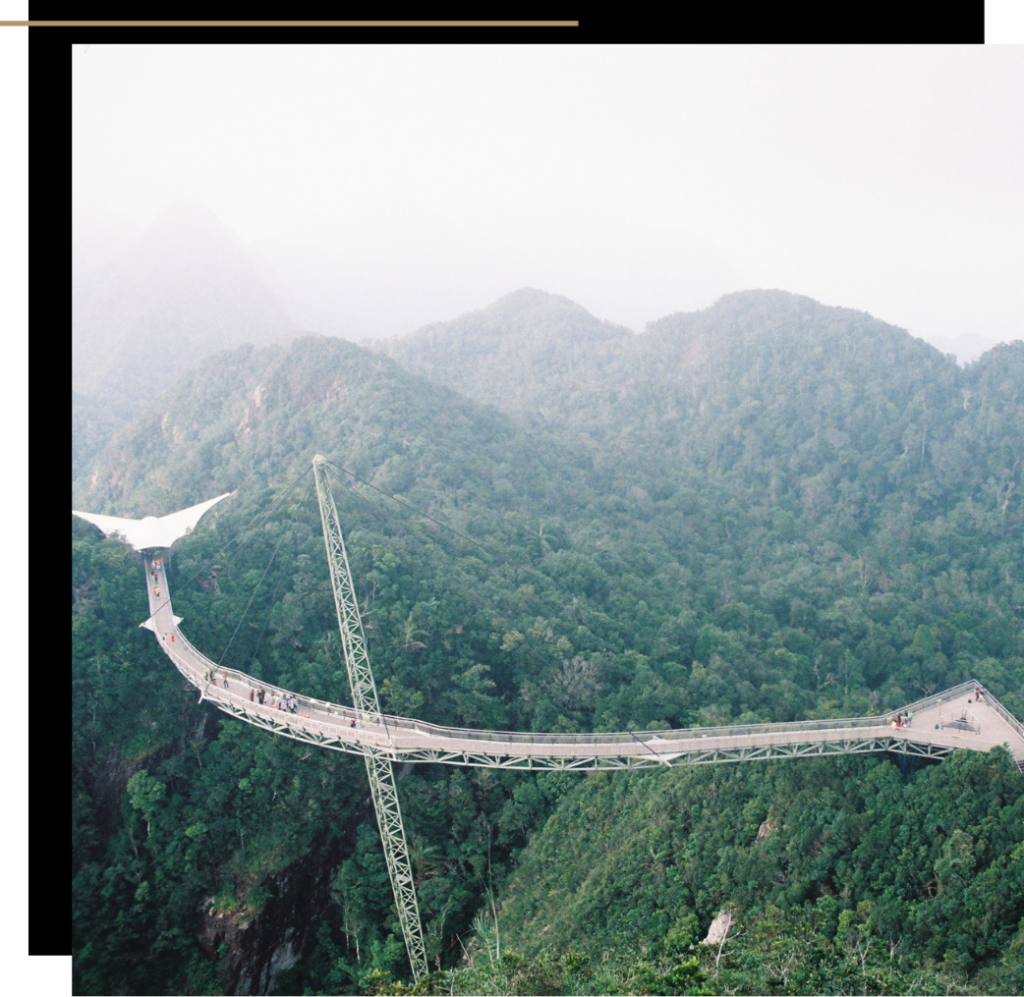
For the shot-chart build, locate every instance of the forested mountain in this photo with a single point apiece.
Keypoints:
(769, 510)
(529, 352)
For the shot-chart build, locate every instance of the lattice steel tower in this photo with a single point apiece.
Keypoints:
(364, 699)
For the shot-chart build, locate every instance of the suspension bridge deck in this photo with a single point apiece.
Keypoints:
(951, 720)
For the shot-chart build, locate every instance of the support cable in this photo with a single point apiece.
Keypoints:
(264, 575)
(527, 648)
(265, 515)
(252, 527)
(419, 512)
(648, 747)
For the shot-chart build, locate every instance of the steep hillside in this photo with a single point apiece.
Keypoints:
(94, 421)
(813, 533)
(781, 400)
(840, 876)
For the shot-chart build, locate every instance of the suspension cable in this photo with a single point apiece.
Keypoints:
(277, 587)
(526, 646)
(252, 526)
(264, 575)
(418, 512)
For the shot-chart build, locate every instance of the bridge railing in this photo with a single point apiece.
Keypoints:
(642, 736)
(333, 720)
(197, 666)
(938, 698)
(947, 695)
(236, 695)
(1006, 715)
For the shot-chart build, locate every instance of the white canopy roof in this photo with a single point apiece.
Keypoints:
(152, 531)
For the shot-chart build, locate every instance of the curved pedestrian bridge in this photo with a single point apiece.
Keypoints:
(938, 726)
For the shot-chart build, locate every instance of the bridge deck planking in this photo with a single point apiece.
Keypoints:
(403, 739)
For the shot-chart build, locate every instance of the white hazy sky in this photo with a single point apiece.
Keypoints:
(390, 186)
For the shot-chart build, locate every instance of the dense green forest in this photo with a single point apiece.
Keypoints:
(769, 510)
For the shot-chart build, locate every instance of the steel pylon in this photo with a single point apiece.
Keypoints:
(364, 699)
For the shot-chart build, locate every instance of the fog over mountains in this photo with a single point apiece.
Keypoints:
(152, 309)
(186, 289)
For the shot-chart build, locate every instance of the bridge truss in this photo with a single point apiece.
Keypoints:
(379, 768)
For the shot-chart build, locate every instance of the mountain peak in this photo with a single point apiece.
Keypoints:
(184, 290)
(528, 314)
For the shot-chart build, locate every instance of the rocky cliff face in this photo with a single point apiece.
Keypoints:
(259, 946)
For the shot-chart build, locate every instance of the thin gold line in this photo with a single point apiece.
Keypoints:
(289, 24)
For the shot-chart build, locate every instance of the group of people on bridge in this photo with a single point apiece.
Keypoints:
(288, 702)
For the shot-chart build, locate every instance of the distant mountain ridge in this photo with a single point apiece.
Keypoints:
(537, 353)
(185, 290)
(758, 372)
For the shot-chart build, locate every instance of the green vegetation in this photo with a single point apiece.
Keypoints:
(770, 510)
(843, 874)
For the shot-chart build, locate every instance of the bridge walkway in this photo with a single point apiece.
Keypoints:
(940, 724)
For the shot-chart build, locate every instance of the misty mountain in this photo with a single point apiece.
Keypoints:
(528, 352)
(94, 421)
(545, 358)
(185, 290)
